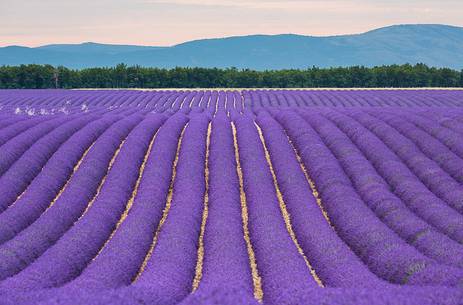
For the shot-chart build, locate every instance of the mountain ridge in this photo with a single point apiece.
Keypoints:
(432, 44)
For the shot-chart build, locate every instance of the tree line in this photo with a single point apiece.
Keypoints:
(123, 76)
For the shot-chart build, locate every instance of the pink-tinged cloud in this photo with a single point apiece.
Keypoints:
(168, 22)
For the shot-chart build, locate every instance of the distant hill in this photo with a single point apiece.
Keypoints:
(434, 45)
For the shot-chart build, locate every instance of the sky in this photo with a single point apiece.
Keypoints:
(168, 22)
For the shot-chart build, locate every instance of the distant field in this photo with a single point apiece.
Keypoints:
(200, 99)
(231, 197)
(274, 89)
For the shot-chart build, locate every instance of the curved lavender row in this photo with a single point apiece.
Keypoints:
(226, 261)
(297, 97)
(277, 100)
(226, 296)
(406, 186)
(290, 99)
(196, 109)
(171, 267)
(438, 143)
(332, 259)
(210, 101)
(186, 107)
(430, 173)
(145, 100)
(158, 107)
(221, 102)
(136, 111)
(128, 99)
(16, 179)
(130, 243)
(239, 102)
(104, 97)
(14, 149)
(264, 100)
(179, 106)
(443, 116)
(355, 223)
(72, 252)
(211, 106)
(278, 260)
(453, 125)
(231, 115)
(170, 106)
(204, 100)
(48, 183)
(19, 252)
(230, 101)
(198, 95)
(55, 101)
(403, 295)
(114, 99)
(150, 103)
(176, 105)
(73, 101)
(7, 120)
(29, 100)
(16, 129)
(376, 193)
(170, 101)
(256, 100)
(223, 295)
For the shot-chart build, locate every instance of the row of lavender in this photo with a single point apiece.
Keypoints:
(284, 206)
(68, 101)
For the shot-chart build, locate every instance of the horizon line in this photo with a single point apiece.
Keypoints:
(231, 36)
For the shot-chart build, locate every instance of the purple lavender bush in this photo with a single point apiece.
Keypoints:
(118, 197)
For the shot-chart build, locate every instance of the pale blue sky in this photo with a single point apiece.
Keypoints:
(167, 22)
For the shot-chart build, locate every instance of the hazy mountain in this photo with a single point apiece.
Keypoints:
(435, 45)
(95, 48)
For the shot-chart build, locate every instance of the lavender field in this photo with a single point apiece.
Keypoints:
(231, 197)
